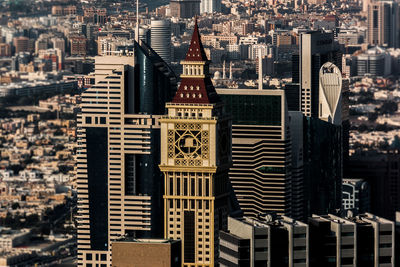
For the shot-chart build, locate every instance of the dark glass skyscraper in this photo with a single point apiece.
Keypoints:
(262, 175)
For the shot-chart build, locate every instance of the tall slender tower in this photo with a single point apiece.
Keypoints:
(119, 184)
(195, 159)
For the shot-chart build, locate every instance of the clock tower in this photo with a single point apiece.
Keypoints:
(195, 159)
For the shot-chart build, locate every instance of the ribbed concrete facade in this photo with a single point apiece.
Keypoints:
(364, 240)
(261, 174)
(273, 242)
(101, 108)
(161, 38)
(119, 184)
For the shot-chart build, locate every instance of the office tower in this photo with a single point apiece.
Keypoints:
(322, 144)
(330, 94)
(326, 240)
(316, 48)
(195, 159)
(21, 44)
(184, 8)
(382, 172)
(333, 240)
(376, 235)
(119, 184)
(5, 50)
(345, 120)
(384, 23)
(161, 38)
(78, 45)
(270, 242)
(261, 150)
(210, 6)
(374, 62)
(58, 43)
(364, 240)
(322, 155)
(298, 190)
(146, 252)
(292, 90)
(41, 44)
(356, 195)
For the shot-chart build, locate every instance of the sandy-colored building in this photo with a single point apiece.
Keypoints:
(146, 253)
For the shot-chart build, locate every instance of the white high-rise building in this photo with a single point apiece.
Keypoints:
(161, 38)
(210, 6)
(330, 94)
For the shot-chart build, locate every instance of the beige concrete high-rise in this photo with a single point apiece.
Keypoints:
(119, 184)
(195, 159)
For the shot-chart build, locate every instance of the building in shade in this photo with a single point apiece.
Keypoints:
(210, 6)
(364, 240)
(326, 240)
(322, 156)
(330, 94)
(234, 250)
(266, 241)
(382, 173)
(384, 23)
(146, 252)
(333, 241)
(119, 185)
(261, 174)
(356, 195)
(316, 48)
(184, 8)
(161, 38)
(195, 159)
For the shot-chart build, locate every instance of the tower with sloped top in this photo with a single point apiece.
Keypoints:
(195, 159)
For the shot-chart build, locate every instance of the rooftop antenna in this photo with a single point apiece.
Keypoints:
(137, 22)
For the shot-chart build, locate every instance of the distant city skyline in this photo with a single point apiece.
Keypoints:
(200, 133)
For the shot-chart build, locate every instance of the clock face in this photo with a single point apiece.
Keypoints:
(189, 144)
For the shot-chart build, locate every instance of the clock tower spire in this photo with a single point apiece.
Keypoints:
(196, 85)
(195, 159)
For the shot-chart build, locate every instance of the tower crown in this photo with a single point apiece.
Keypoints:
(196, 85)
(196, 50)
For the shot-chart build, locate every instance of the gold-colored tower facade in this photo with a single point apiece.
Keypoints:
(195, 159)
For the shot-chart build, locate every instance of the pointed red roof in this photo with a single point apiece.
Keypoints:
(194, 90)
(196, 50)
